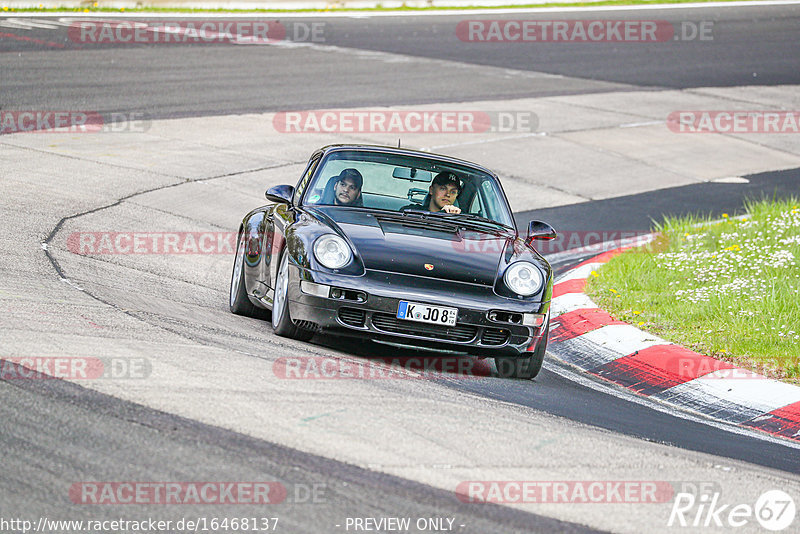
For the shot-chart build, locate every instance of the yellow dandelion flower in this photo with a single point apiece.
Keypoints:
(724, 215)
(640, 323)
(594, 273)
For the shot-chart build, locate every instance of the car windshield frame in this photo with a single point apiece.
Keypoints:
(431, 164)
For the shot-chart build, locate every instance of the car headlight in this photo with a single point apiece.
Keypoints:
(332, 251)
(523, 278)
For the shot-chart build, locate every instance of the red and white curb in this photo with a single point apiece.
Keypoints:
(587, 337)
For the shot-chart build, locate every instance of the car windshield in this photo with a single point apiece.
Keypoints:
(402, 183)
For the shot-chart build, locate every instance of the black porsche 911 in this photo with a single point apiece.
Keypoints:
(401, 246)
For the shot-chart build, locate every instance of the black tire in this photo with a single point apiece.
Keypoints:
(525, 367)
(237, 296)
(281, 315)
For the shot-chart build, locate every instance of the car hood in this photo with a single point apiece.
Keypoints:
(426, 248)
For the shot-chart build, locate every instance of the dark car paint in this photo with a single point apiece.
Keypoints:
(468, 263)
(405, 247)
(386, 289)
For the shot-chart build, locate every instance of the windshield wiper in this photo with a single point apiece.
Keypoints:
(415, 211)
(469, 219)
(419, 218)
(464, 219)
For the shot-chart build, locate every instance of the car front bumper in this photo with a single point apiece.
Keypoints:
(376, 316)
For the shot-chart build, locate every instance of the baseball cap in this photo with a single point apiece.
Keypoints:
(445, 178)
(352, 174)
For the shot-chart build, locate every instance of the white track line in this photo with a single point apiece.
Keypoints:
(440, 13)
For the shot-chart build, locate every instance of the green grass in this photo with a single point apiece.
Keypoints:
(88, 8)
(729, 289)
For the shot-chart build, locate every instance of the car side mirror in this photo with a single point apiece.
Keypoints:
(280, 193)
(540, 230)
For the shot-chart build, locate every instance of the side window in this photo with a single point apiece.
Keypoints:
(486, 200)
(301, 187)
(476, 208)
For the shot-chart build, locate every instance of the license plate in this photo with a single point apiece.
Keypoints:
(423, 313)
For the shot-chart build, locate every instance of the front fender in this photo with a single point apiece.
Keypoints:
(300, 238)
(517, 250)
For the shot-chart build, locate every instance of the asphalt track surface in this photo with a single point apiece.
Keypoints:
(757, 45)
(97, 434)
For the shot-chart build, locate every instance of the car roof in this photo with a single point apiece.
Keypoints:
(406, 152)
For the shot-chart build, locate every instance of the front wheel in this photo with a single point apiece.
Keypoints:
(525, 367)
(281, 317)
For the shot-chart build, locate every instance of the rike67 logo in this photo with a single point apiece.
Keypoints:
(774, 510)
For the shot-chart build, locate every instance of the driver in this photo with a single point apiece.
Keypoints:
(443, 191)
